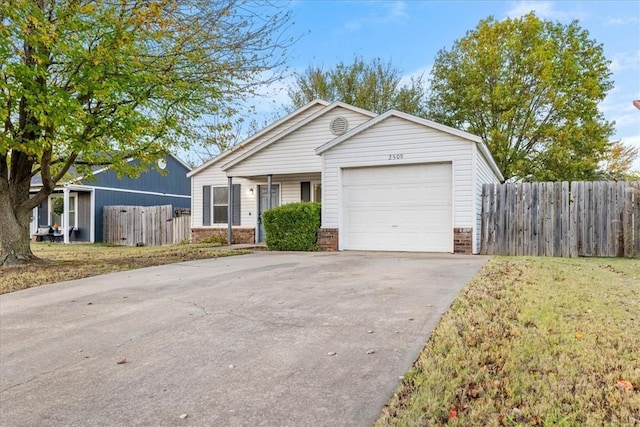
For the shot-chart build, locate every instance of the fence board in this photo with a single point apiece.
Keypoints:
(561, 219)
(144, 225)
(535, 221)
(588, 219)
(573, 222)
(566, 233)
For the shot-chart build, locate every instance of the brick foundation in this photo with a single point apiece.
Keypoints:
(240, 235)
(463, 241)
(328, 239)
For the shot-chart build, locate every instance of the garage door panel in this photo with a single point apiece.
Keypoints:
(398, 208)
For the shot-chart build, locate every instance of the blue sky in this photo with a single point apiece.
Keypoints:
(410, 33)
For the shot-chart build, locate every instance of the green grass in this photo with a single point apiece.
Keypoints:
(67, 262)
(532, 341)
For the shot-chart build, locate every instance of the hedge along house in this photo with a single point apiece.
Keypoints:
(389, 182)
(84, 198)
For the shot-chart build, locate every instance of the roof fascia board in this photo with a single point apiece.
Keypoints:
(425, 122)
(257, 135)
(182, 162)
(295, 127)
(492, 162)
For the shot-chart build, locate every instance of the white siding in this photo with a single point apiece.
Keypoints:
(214, 176)
(294, 153)
(289, 193)
(217, 178)
(417, 144)
(290, 186)
(484, 175)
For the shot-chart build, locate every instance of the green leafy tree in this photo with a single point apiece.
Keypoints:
(86, 83)
(530, 89)
(375, 86)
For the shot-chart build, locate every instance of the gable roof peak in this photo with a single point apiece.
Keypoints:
(243, 144)
(298, 125)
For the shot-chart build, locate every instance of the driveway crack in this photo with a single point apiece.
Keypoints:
(193, 304)
(267, 322)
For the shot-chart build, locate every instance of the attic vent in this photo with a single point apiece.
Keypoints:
(339, 125)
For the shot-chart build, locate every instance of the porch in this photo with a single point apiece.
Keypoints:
(244, 199)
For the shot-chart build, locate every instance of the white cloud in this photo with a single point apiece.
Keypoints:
(633, 141)
(623, 21)
(388, 12)
(273, 96)
(627, 118)
(628, 60)
(423, 71)
(542, 9)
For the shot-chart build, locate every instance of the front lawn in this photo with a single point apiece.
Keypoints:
(532, 341)
(67, 262)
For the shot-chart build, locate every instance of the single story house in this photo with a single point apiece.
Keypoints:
(83, 198)
(388, 182)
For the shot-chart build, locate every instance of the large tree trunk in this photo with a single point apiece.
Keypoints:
(15, 238)
(16, 206)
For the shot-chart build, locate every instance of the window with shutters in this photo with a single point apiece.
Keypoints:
(220, 205)
(215, 201)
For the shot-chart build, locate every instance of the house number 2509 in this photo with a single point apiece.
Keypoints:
(396, 156)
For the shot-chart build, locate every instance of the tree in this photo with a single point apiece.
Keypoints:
(375, 86)
(530, 89)
(86, 83)
(618, 161)
(223, 137)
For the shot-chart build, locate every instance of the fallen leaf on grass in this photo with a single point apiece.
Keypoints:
(624, 385)
(579, 335)
(453, 414)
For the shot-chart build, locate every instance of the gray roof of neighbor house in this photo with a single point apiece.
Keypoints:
(36, 181)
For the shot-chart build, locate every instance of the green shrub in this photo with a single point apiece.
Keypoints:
(292, 227)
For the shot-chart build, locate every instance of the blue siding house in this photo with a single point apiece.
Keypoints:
(87, 197)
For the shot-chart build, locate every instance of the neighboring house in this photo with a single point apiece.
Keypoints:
(87, 197)
(389, 182)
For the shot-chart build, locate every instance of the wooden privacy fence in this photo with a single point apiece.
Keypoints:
(560, 219)
(145, 225)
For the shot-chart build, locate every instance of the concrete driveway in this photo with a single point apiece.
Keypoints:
(273, 339)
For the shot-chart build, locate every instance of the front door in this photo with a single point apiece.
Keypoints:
(263, 204)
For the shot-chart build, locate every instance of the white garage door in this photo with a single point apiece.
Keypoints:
(398, 208)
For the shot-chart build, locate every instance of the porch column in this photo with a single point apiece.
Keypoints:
(230, 211)
(65, 214)
(269, 192)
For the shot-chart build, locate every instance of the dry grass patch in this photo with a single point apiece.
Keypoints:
(67, 262)
(532, 341)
